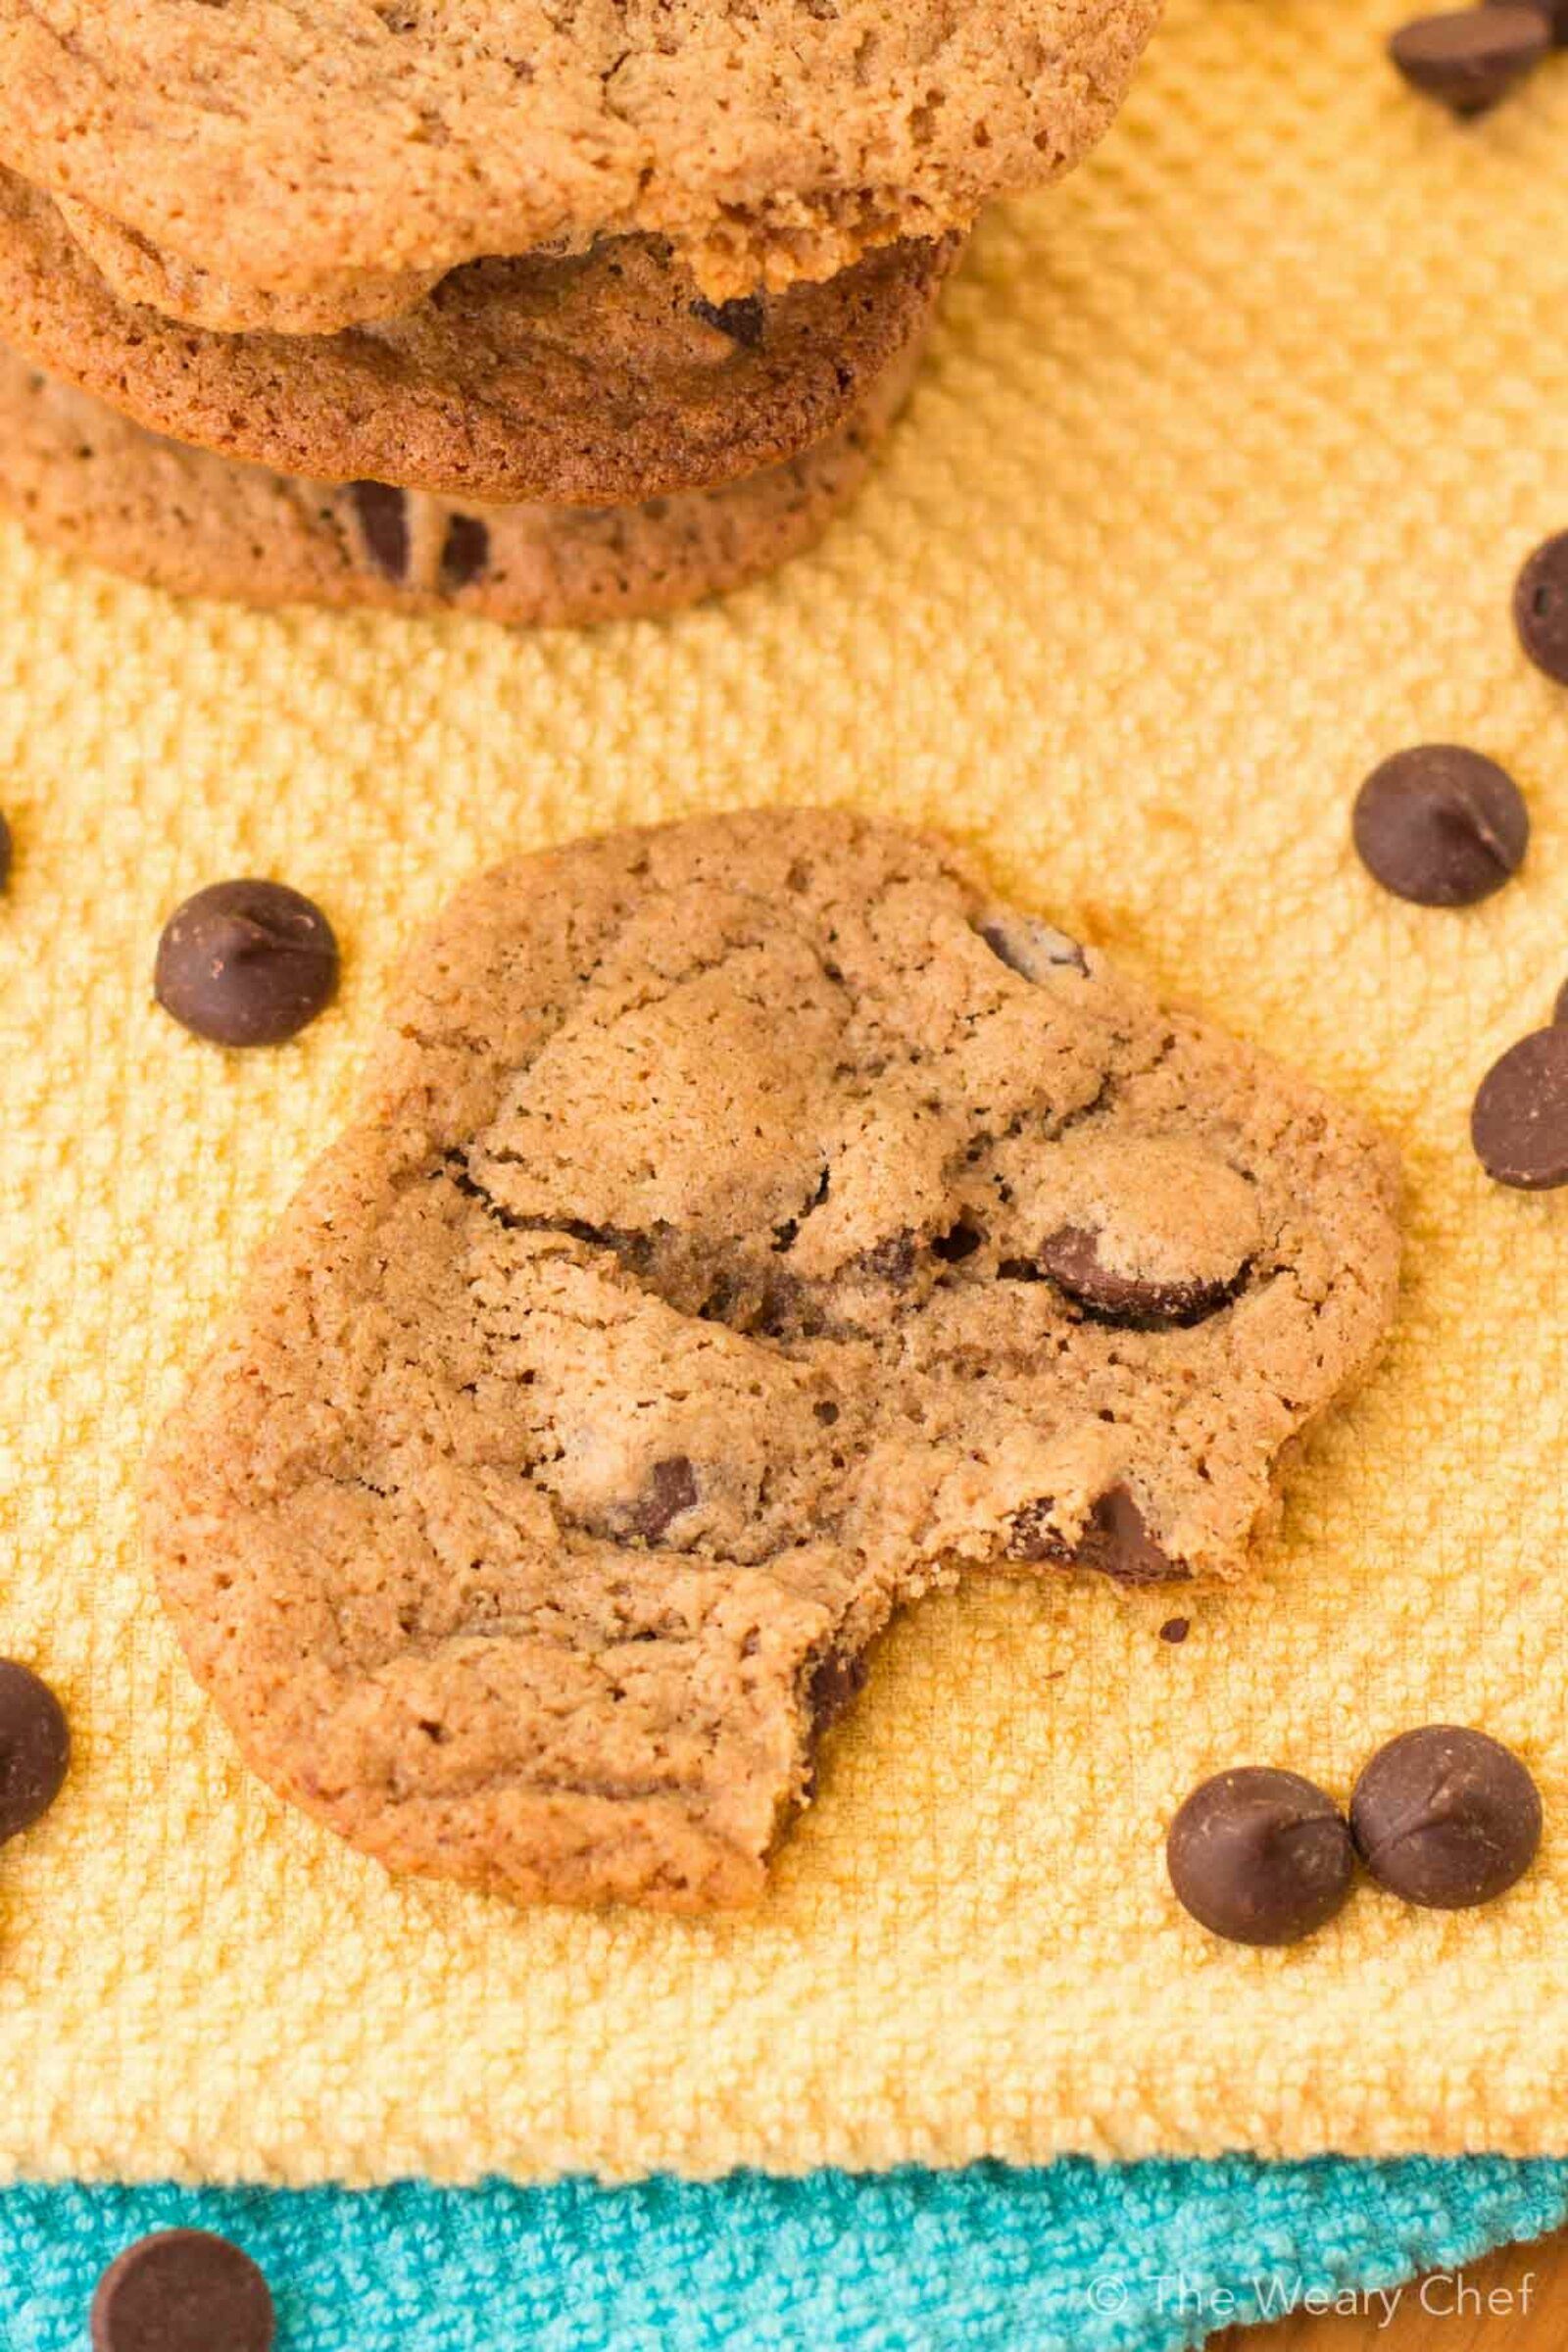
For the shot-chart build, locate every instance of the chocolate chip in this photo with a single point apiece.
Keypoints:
(384, 519)
(5, 852)
(465, 552)
(1071, 1256)
(1175, 1628)
(1441, 825)
(1029, 947)
(183, 2290)
(1115, 1542)
(1559, 1011)
(246, 963)
(1519, 1125)
(743, 320)
(1259, 1856)
(1446, 1817)
(834, 1684)
(1472, 57)
(1541, 608)
(670, 1489)
(34, 1749)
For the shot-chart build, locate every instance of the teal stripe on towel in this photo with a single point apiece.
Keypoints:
(1073, 2257)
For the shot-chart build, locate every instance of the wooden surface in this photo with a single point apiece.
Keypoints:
(1515, 2301)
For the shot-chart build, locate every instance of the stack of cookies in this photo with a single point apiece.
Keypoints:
(549, 313)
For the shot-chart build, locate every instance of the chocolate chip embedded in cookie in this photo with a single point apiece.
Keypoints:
(590, 379)
(290, 145)
(690, 1293)
(93, 484)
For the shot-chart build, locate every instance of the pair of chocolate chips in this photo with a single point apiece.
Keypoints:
(1444, 826)
(246, 963)
(1445, 1817)
(183, 2290)
(1468, 58)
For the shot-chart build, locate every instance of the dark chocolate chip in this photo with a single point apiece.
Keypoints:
(1027, 947)
(1541, 608)
(1071, 1257)
(465, 552)
(246, 963)
(183, 2290)
(743, 320)
(670, 1489)
(1259, 1856)
(34, 1749)
(1472, 57)
(1446, 1817)
(1519, 1125)
(1175, 1628)
(1441, 825)
(5, 852)
(384, 519)
(1115, 1542)
(835, 1681)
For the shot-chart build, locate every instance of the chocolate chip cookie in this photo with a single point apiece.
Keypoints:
(748, 1226)
(87, 480)
(289, 145)
(600, 381)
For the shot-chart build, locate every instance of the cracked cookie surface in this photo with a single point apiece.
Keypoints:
(600, 380)
(750, 1225)
(290, 144)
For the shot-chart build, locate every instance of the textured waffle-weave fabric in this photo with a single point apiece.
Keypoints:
(1075, 2256)
(1211, 495)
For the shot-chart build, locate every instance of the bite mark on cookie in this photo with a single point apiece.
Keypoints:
(735, 1245)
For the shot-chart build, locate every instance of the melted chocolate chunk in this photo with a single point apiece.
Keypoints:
(465, 552)
(670, 1489)
(1071, 1258)
(835, 1683)
(383, 520)
(1115, 1542)
(1026, 947)
(743, 320)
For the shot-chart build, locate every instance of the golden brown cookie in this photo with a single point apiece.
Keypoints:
(93, 484)
(598, 380)
(288, 144)
(747, 1226)
(138, 273)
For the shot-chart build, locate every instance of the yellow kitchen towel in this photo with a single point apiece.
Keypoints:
(1211, 495)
